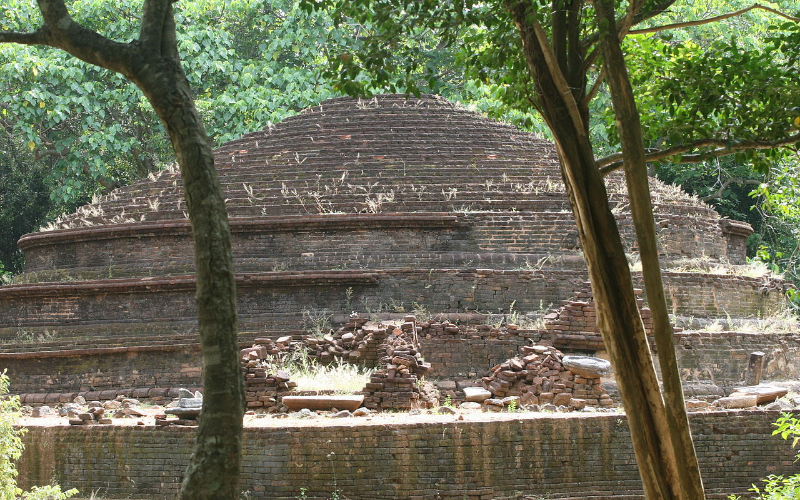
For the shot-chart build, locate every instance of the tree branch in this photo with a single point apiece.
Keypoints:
(614, 162)
(725, 185)
(62, 32)
(558, 78)
(624, 24)
(658, 8)
(722, 17)
(152, 30)
(601, 76)
(38, 37)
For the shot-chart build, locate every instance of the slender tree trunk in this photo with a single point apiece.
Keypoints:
(152, 62)
(213, 471)
(630, 131)
(560, 90)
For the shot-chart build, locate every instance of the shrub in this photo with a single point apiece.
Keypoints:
(778, 487)
(11, 449)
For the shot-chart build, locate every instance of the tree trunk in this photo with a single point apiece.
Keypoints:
(630, 131)
(213, 471)
(560, 91)
(152, 62)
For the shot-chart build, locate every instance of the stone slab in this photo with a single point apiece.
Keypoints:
(476, 394)
(764, 393)
(747, 401)
(296, 403)
(586, 366)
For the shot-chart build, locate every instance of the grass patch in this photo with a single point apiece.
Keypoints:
(339, 376)
(784, 321)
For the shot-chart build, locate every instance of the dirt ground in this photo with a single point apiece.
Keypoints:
(324, 419)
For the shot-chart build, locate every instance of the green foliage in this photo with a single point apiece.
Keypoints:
(443, 48)
(49, 492)
(724, 90)
(735, 81)
(10, 442)
(778, 487)
(11, 450)
(788, 427)
(95, 130)
(24, 199)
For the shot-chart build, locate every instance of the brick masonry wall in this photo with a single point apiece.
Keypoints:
(273, 301)
(501, 240)
(128, 369)
(721, 357)
(711, 295)
(718, 358)
(470, 353)
(553, 456)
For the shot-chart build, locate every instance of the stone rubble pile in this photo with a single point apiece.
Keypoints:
(79, 412)
(355, 342)
(397, 384)
(95, 414)
(187, 408)
(264, 385)
(543, 375)
(574, 324)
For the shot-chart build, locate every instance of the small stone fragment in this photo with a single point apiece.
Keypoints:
(42, 411)
(470, 405)
(476, 394)
(185, 393)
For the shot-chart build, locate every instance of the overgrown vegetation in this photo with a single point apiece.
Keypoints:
(317, 322)
(339, 376)
(533, 320)
(11, 448)
(782, 321)
(779, 487)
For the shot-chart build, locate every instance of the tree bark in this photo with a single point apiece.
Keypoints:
(560, 99)
(687, 470)
(153, 64)
(213, 470)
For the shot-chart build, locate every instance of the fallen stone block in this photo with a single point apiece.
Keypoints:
(732, 402)
(476, 394)
(586, 366)
(764, 393)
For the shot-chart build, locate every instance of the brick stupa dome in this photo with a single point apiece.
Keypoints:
(375, 205)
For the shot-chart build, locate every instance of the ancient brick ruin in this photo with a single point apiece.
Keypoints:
(375, 207)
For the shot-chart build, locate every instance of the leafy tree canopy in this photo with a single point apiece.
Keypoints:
(719, 101)
(94, 128)
(72, 129)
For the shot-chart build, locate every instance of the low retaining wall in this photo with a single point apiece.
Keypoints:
(721, 357)
(274, 300)
(718, 358)
(553, 456)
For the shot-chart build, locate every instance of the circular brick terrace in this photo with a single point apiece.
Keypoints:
(350, 206)
(473, 455)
